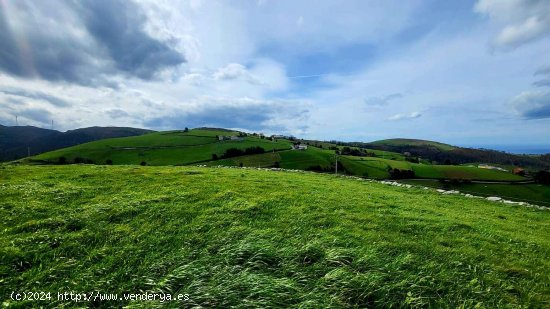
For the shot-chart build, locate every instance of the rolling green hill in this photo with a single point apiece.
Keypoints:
(371, 167)
(160, 148)
(16, 142)
(399, 142)
(199, 145)
(202, 146)
(255, 238)
(447, 154)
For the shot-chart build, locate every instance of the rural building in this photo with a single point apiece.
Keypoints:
(230, 138)
(490, 167)
(518, 171)
(299, 147)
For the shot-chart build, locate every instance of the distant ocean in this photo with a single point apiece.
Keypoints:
(516, 149)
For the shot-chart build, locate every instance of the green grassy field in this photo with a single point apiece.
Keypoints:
(159, 148)
(198, 146)
(532, 193)
(462, 172)
(253, 238)
(289, 159)
(413, 142)
(378, 168)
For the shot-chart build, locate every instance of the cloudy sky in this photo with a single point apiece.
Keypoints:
(462, 72)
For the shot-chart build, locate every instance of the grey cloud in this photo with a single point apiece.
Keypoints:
(545, 82)
(81, 42)
(250, 115)
(381, 101)
(118, 27)
(533, 105)
(543, 71)
(117, 113)
(8, 112)
(37, 95)
(542, 83)
(36, 114)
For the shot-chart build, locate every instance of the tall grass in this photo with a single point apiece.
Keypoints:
(252, 238)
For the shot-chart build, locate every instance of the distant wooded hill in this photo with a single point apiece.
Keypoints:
(16, 141)
(447, 154)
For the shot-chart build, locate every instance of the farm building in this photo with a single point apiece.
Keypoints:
(519, 171)
(230, 138)
(299, 147)
(490, 167)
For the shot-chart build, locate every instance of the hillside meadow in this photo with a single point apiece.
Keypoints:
(159, 148)
(531, 193)
(232, 237)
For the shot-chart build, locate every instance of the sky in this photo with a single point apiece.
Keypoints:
(461, 72)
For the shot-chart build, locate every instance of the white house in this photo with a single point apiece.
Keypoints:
(299, 147)
(230, 138)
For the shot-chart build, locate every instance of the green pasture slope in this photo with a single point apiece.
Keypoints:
(377, 168)
(371, 167)
(413, 142)
(160, 148)
(255, 238)
(198, 146)
(534, 193)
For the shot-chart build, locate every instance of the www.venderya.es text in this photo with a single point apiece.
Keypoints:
(97, 296)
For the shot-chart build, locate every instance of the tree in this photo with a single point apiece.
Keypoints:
(400, 174)
(542, 177)
(186, 130)
(143, 163)
(62, 160)
(214, 157)
(109, 162)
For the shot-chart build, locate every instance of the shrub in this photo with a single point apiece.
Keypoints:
(62, 160)
(412, 159)
(214, 157)
(254, 150)
(400, 174)
(78, 160)
(542, 177)
(109, 162)
(235, 152)
(143, 163)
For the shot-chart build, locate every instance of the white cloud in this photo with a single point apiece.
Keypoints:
(405, 116)
(235, 71)
(382, 100)
(533, 104)
(519, 21)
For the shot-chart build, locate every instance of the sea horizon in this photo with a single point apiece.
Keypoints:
(515, 149)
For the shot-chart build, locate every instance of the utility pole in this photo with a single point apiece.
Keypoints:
(16, 122)
(52, 124)
(28, 151)
(336, 165)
